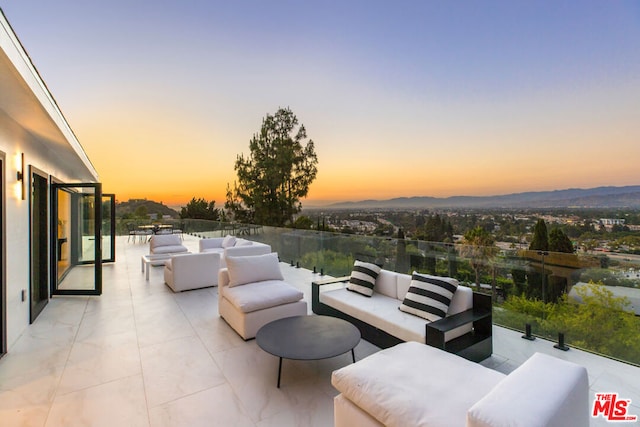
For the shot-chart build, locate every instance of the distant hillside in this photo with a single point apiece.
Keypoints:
(601, 197)
(130, 207)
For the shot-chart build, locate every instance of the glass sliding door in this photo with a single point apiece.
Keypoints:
(39, 239)
(108, 228)
(77, 255)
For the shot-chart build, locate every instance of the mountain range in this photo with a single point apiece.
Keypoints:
(600, 197)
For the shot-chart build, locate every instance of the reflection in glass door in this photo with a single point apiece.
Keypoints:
(63, 233)
(77, 256)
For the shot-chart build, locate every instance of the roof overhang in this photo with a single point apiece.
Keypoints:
(27, 100)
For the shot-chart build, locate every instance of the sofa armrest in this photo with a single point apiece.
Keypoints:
(315, 291)
(476, 345)
(451, 322)
(331, 281)
(223, 278)
(544, 391)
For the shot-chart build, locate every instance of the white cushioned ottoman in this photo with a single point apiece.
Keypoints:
(412, 384)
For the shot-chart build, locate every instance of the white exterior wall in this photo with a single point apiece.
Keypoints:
(13, 141)
(30, 123)
(16, 237)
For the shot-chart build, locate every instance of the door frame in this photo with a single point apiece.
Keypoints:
(112, 220)
(35, 310)
(97, 217)
(3, 252)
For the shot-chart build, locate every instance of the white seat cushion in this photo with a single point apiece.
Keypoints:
(170, 249)
(382, 312)
(386, 284)
(213, 250)
(379, 311)
(164, 240)
(413, 384)
(260, 295)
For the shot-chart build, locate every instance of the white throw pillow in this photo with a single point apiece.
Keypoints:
(363, 278)
(253, 268)
(228, 241)
(429, 296)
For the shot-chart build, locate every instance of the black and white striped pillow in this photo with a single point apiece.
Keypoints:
(429, 296)
(363, 278)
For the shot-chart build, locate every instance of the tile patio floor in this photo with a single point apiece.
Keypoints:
(140, 355)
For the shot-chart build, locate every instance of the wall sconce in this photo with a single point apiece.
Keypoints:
(20, 176)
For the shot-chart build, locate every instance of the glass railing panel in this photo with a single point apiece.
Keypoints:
(591, 298)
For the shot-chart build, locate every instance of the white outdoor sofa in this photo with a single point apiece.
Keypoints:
(184, 272)
(165, 244)
(466, 330)
(412, 384)
(232, 246)
(252, 292)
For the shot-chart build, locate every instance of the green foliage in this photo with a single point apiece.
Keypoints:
(276, 174)
(436, 229)
(479, 247)
(540, 240)
(303, 222)
(531, 307)
(141, 212)
(141, 208)
(200, 209)
(599, 323)
(559, 242)
(333, 263)
(606, 277)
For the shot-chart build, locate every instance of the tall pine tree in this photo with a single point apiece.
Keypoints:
(540, 240)
(277, 173)
(559, 242)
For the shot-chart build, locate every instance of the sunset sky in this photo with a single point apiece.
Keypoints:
(401, 98)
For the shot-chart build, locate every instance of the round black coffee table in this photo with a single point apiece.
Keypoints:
(308, 338)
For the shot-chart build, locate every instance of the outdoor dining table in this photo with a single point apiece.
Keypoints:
(155, 228)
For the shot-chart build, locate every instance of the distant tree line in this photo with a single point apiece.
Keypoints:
(200, 209)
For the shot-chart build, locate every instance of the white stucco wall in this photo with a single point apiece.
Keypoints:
(16, 232)
(30, 123)
(13, 141)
